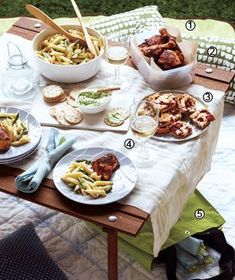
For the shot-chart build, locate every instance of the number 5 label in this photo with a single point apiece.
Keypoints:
(199, 214)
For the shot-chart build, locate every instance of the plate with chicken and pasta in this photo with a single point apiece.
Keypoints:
(95, 176)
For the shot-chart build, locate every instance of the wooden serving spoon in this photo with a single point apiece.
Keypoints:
(100, 90)
(87, 36)
(108, 89)
(46, 19)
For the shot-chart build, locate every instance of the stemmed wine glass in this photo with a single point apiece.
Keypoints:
(118, 55)
(143, 125)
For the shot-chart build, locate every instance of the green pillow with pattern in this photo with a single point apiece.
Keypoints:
(129, 22)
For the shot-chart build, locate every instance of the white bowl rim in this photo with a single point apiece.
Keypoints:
(68, 66)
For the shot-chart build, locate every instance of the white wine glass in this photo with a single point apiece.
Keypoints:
(144, 118)
(117, 56)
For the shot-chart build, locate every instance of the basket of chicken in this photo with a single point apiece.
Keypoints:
(163, 58)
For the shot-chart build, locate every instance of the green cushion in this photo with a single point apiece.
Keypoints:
(128, 23)
(204, 28)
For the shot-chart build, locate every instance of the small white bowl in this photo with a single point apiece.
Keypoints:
(95, 109)
(67, 73)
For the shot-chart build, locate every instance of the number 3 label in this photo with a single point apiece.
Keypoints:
(207, 96)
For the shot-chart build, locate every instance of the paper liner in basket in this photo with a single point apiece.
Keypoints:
(157, 78)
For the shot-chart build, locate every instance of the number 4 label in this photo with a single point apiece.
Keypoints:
(129, 143)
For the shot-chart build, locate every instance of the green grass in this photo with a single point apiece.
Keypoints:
(221, 10)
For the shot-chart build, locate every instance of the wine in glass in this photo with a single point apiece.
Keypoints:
(117, 55)
(143, 125)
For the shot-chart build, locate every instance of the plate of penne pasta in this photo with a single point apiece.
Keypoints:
(95, 176)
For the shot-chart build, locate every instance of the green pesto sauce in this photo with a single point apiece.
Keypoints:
(92, 98)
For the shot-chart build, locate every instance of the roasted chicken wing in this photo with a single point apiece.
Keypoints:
(105, 166)
(164, 50)
(169, 59)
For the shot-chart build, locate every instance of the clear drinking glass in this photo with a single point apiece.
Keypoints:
(118, 55)
(143, 125)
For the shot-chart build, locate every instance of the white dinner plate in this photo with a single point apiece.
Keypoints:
(124, 179)
(35, 133)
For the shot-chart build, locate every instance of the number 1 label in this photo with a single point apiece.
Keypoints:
(190, 25)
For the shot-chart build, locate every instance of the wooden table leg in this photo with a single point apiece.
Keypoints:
(112, 238)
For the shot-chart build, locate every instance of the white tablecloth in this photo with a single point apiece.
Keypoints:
(163, 189)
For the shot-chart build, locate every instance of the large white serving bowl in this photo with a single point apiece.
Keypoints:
(67, 73)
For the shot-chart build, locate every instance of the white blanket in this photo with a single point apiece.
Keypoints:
(163, 189)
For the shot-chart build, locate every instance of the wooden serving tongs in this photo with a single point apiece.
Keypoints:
(87, 36)
(37, 13)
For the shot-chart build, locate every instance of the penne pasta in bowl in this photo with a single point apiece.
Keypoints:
(61, 60)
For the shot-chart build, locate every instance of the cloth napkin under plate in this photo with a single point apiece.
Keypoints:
(30, 180)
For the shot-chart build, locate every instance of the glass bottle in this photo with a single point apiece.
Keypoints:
(18, 80)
